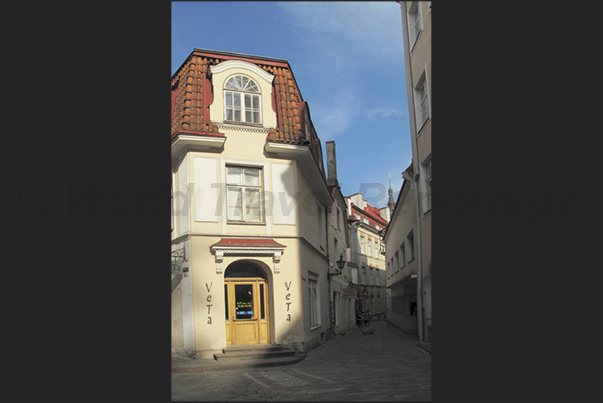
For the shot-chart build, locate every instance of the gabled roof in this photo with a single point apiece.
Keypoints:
(191, 85)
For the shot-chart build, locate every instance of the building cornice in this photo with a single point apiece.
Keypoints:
(196, 142)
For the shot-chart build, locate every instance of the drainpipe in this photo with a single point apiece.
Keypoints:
(415, 162)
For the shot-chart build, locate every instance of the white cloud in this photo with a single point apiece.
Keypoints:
(372, 27)
(333, 116)
(383, 113)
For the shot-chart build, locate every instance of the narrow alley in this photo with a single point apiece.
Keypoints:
(387, 365)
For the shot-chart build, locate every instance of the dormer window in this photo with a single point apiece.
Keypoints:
(242, 100)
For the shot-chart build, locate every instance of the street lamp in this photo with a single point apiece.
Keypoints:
(340, 265)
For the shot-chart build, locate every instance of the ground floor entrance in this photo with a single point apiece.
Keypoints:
(247, 317)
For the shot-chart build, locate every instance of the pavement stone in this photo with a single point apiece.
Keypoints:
(386, 366)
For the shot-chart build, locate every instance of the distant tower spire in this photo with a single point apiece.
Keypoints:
(390, 203)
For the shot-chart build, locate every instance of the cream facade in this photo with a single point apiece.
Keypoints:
(416, 30)
(249, 250)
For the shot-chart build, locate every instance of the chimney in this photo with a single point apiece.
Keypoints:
(331, 164)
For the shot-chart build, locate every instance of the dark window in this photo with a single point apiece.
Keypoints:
(244, 301)
(226, 299)
(262, 302)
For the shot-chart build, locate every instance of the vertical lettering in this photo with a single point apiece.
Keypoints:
(288, 285)
(289, 317)
(209, 320)
(209, 308)
(209, 288)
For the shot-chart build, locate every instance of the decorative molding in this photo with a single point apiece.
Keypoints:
(260, 130)
(219, 260)
(221, 251)
(241, 64)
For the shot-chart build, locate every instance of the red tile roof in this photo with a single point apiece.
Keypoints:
(372, 218)
(192, 95)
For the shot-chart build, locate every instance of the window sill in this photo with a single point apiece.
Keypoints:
(314, 327)
(234, 122)
(244, 223)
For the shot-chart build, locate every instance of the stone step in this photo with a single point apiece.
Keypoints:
(253, 353)
(214, 365)
(253, 347)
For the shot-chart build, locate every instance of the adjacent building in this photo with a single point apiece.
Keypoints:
(342, 295)
(415, 195)
(402, 262)
(367, 263)
(253, 216)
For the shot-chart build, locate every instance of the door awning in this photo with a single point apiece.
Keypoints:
(247, 246)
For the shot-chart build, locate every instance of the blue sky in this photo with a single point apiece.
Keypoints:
(347, 58)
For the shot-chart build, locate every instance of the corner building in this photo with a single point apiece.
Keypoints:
(249, 250)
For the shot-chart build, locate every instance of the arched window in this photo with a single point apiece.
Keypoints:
(242, 100)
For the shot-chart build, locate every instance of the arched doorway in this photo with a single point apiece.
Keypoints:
(246, 302)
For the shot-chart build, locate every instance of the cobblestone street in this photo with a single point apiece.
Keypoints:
(387, 365)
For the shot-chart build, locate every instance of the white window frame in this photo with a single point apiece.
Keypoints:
(376, 254)
(415, 23)
(260, 187)
(361, 245)
(422, 102)
(242, 108)
(426, 183)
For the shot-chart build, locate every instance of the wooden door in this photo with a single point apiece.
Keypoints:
(246, 311)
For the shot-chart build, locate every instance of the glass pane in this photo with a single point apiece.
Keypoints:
(226, 299)
(237, 99)
(247, 101)
(228, 98)
(252, 87)
(237, 115)
(256, 117)
(235, 211)
(252, 204)
(247, 116)
(256, 102)
(244, 301)
(228, 113)
(238, 80)
(244, 81)
(230, 84)
(262, 313)
(233, 176)
(252, 177)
